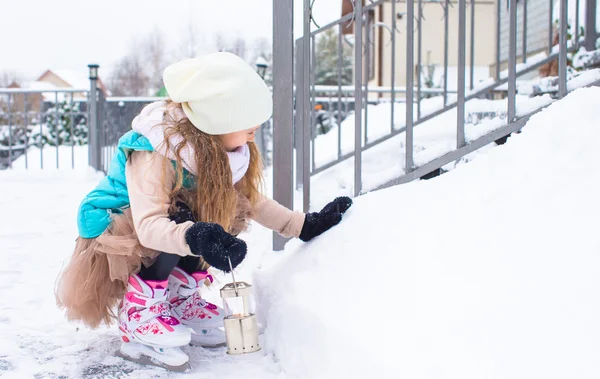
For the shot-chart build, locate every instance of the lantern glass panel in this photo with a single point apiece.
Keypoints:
(239, 307)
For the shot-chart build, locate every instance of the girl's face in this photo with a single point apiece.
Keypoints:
(232, 141)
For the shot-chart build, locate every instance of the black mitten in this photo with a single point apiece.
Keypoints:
(317, 223)
(214, 244)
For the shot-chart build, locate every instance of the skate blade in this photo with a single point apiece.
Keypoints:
(208, 345)
(145, 360)
(211, 339)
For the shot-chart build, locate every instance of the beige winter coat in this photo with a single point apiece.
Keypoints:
(150, 204)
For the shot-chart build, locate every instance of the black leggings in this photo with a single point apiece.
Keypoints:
(165, 263)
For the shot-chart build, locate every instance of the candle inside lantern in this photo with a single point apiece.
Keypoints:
(238, 307)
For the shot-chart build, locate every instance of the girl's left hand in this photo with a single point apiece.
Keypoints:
(319, 222)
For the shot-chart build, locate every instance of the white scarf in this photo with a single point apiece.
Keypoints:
(150, 124)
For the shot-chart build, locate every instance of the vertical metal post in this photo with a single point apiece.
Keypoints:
(550, 26)
(446, 8)
(101, 135)
(590, 25)
(57, 122)
(260, 139)
(358, 97)
(393, 78)
(472, 46)
(307, 110)
(367, 71)
(339, 76)
(103, 154)
(576, 34)
(99, 128)
(512, 61)
(562, 56)
(313, 101)
(419, 55)
(299, 120)
(524, 42)
(41, 146)
(498, 39)
(26, 126)
(461, 84)
(10, 134)
(72, 124)
(410, 67)
(93, 125)
(283, 70)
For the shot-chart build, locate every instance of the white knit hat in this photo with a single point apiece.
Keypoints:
(219, 93)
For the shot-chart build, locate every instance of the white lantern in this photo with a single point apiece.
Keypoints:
(241, 327)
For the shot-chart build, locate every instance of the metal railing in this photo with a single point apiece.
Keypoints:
(44, 120)
(117, 113)
(366, 34)
(43, 128)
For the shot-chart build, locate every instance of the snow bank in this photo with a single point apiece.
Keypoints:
(489, 271)
(53, 158)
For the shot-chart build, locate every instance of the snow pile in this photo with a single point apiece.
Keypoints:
(489, 271)
(53, 158)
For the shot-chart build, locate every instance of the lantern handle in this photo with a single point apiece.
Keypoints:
(233, 276)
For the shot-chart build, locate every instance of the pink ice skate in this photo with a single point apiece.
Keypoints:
(205, 319)
(150, 334)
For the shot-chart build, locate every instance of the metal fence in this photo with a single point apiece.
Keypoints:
(45, 128)
(115, 115)
(300, 89)
(34, 124)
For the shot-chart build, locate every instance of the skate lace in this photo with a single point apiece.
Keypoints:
(163, 304)
(191, 295)
(165, 313)
(201, 301)
(165, 307)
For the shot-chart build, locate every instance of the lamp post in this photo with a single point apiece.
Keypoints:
(261, 67)
(93, 71)
(93, 135)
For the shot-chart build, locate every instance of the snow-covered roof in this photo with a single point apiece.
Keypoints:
(39, 85)
(51, 96)
(75, 78)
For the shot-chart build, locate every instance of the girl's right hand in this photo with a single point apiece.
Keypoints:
(215, 245)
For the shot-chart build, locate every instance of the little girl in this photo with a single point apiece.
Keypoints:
(182, 185)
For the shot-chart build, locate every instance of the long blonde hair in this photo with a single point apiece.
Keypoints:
(213, 198)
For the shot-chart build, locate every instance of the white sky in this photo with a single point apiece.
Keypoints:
(69, 34)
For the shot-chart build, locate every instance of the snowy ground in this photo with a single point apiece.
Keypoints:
(489, 271)
(37, 233)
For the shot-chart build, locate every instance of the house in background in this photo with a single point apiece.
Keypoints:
(52, 80)
(69, 79)
(485, 41)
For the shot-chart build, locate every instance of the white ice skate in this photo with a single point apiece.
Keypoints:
(205, 319)
(150, 334)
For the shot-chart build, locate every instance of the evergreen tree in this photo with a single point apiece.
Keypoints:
(13, 133)
(326, 70)
(64, 124)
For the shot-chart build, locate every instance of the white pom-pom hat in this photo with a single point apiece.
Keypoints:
(219, 93)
